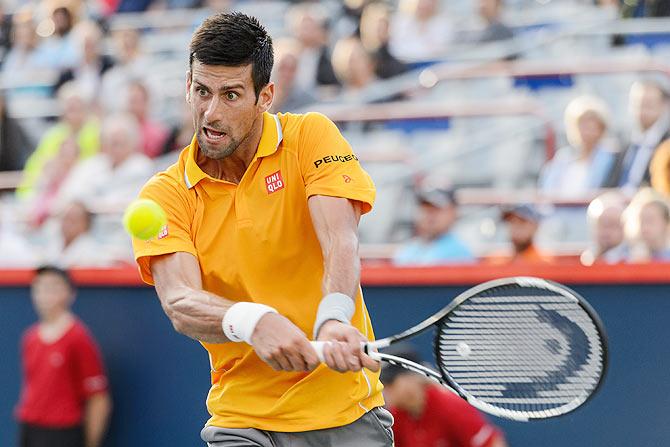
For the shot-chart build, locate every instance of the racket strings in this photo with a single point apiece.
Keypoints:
(524, 350)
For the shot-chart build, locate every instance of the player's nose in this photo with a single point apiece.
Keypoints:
(214, 111)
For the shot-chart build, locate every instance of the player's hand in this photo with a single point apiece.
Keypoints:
(282, 345)
(344, 352)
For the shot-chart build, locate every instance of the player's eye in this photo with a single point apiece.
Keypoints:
(232, 96)
(201, 91)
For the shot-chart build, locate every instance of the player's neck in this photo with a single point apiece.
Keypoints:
(233, 167)
(52, 327)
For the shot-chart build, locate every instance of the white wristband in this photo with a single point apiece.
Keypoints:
(334, 306)
(241, 320)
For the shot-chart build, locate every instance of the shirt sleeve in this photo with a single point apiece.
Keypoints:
(175, 236)
(470, 428)
(91, 372)
(328, 164)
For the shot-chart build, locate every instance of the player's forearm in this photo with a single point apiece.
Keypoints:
(342, 266)
(196, 313)
(96, 419)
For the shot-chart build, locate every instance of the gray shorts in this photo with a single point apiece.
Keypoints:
(373, 429)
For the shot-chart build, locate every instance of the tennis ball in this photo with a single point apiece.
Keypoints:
(144, 219)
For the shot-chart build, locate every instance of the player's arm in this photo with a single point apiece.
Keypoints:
(199, 314)
(335, 221)
(96, 418)
(192, 311)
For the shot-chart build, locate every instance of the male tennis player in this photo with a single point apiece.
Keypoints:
(259, 255)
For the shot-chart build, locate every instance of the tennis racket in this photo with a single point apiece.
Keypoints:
(519, 348)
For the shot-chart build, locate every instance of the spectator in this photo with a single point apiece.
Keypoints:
(660, 169)
(64, 396)
(75, 123)
(131, 65)
(50, 181)
(419, 32)
(604, 216)
(59, 46)
(14, 142)
(71, 242)
(154, 134)
(114, 176)
(23, 58)
(353, 65)
(309, 25)
(435, 243)
(289, 97)
(650, 105)
(522, 223)
(88, 74)
(375, 24)
(5, 31)
(491, 11)
(586, 164)
(427, 415)
(647, 224)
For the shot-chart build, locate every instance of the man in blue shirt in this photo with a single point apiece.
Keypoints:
(434, 243)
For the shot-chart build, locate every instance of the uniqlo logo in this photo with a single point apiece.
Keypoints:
(274, 182)
(163, 233)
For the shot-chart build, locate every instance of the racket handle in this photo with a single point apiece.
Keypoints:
(319, 346)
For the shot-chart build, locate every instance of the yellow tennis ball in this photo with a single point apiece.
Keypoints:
(144, 219)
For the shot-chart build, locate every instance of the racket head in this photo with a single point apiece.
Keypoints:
(532, 348)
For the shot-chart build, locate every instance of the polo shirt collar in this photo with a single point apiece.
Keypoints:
(271, 138)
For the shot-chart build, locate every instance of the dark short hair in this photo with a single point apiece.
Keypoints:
(390, 372)
(55, 270)
(233, 40)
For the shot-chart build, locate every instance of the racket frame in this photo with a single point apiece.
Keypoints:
(445, 378)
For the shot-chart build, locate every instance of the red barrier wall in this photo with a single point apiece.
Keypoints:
(386, 275)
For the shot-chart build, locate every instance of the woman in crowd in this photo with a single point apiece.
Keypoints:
(586, 163)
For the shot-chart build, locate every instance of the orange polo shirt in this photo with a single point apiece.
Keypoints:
(255, 241)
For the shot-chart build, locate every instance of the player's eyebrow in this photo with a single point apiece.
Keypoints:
(233, 86)
(224, 88)
(201, 85)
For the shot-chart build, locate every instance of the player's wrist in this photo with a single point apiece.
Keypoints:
(241, 319)
(334, 306)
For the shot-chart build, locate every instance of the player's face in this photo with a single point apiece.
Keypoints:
(51, 295)
(224, 106)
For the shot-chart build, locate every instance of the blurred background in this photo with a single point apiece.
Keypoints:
(504, 137)
(543, 104)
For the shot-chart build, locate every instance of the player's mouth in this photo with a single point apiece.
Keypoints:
(212, 135)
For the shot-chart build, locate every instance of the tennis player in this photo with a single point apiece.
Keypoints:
(259, 255)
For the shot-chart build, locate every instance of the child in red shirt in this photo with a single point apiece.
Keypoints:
(428, 415)
(64, 398)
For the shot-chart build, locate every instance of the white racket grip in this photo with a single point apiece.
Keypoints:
(319, 346)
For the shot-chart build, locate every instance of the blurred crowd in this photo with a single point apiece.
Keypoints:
(86, 117)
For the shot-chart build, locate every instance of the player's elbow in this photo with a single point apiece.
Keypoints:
(179, 325)
(170, 301)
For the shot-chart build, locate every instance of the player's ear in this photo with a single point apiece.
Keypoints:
(266, 96)
(188, 86)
